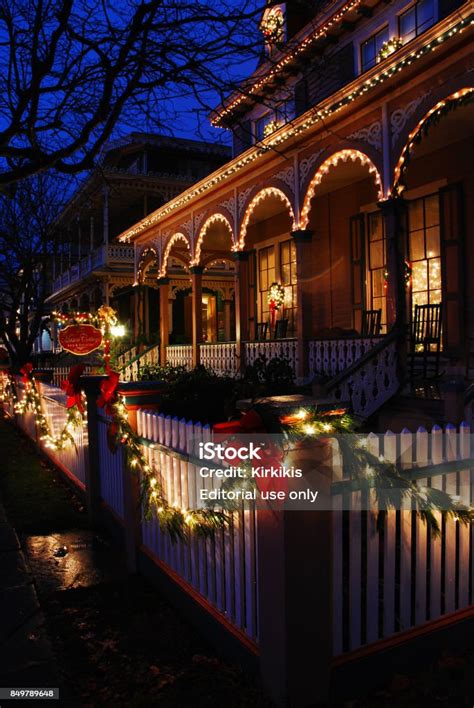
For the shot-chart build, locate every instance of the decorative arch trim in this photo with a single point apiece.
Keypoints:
(460, 97)
(254, 202)
(332, 161)
(212, 219)
(147, 256)
(175, 237)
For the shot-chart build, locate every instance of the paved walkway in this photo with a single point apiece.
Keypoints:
(26, 657)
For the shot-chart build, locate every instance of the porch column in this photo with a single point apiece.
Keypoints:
(241, 304)
(140, 311)
(164, 286)
(393, 212)
(146, 312)
(227, 318)
(196, 282)
(304, 269)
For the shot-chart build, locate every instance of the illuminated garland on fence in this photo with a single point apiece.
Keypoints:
(32, 401)
(364, 470)
(176, 521)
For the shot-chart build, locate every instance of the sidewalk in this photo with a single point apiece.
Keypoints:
(26, 657)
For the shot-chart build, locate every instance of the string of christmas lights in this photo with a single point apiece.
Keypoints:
(301, 125)
(173, 519)
(32, 401)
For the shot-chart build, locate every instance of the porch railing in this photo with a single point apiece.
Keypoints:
(285, 348)
(180, 355)
(101, 256)
(369, 381)
(332, 356)
(130, 367)
(220, 357)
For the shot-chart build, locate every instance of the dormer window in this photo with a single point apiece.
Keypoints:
(273, 27)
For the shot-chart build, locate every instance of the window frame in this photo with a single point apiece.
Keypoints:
(409, 8)
(384, 28)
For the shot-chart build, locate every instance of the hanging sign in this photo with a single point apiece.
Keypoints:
(80, 339)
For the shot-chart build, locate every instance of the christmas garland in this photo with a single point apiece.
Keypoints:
(368, 471)
(364, 470)
(389, 47)
(32, 401)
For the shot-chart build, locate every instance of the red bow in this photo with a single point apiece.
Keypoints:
(72, 388)
(250, 423)
(26, 371)
(108, 389)
(273, 455)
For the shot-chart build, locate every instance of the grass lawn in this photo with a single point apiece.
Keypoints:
(35, 497)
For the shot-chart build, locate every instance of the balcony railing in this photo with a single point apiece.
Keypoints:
(112, 254)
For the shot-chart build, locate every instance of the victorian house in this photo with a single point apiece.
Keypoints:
(137, 175)
(343, 225)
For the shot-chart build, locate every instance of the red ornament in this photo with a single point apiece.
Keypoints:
(26, 372)
(72, 388)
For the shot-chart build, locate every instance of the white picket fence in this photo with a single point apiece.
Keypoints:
(401, 576)
(222, 569)
(60, 373)
(111, 470)
(71, 459)
(386, 579)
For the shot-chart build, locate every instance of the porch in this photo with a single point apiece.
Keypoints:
(334, 244)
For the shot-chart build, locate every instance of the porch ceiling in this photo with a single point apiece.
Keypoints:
(342, 175)
(457, 125)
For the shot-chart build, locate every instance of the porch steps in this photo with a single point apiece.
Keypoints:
(409, 411)
(443, 401)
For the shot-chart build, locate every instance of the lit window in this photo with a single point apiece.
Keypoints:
(267, 273)
(370, 49)
(377, 259)
(416, 20)
(424, 250)
(288, 280)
